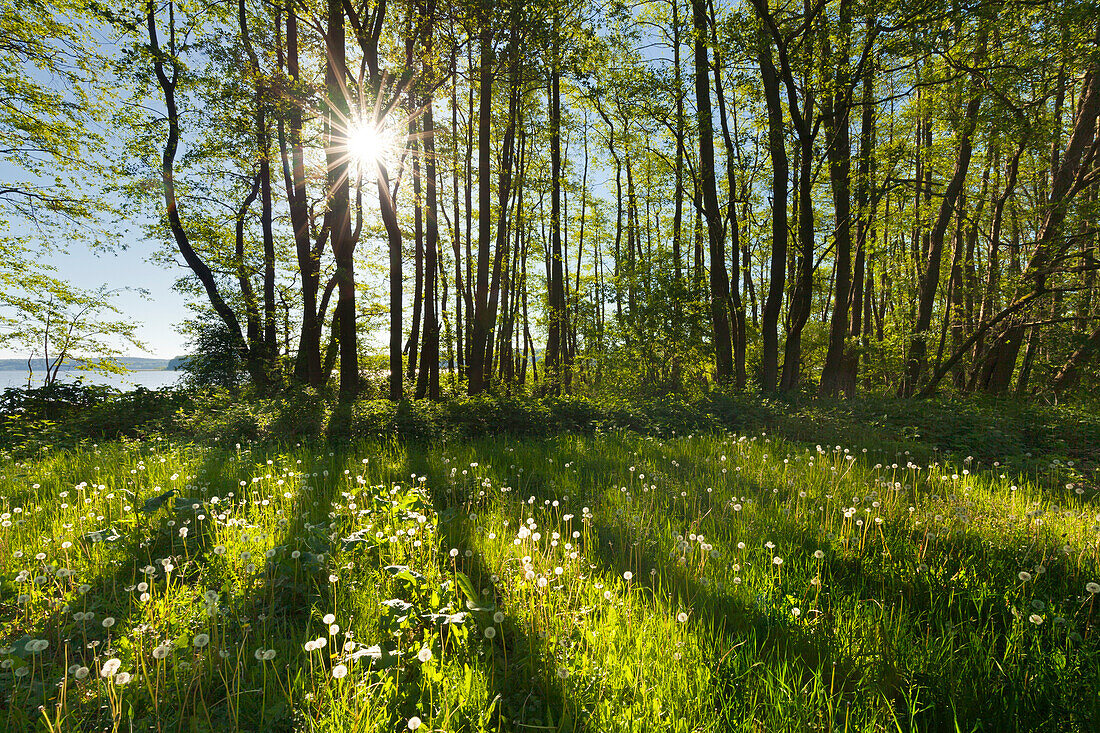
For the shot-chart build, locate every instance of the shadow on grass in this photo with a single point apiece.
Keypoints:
(524, 692)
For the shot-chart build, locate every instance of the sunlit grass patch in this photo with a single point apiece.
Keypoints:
(613, 582)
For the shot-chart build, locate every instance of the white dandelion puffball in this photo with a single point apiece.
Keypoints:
(268, 655)
(339, 671)
(108, 622)
(490, 632)
(110, 667)
(122, 678)
(1093, 588)
(819, 554)
(162, 651)
(628, 575)
(1024, 576)
(81, 673)
(328, 619)
(414, 723)
(424, 655)
(796, 612)
(201, 640)
(682, 617)
(1035, 619)
(498, 617)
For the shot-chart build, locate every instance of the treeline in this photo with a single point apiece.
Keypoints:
(832, 196)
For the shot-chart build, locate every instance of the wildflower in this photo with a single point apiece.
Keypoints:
(628, 575)
(110, 667)
(108, 622)
(1024, 576)
(339, 671)
(328, 619)
(796, 612)
(424, 655)
(562, 673)
(162, 651)
(1035, 619)
(682, 617)
(1093, 588)
(490, 632)
(201, 640)
(498, 617)
(219, 549)
(122, 678)
(414, 723)
(819, 554)
(80, 673)
(777, 561)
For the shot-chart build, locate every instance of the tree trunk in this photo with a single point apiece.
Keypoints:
(307, 367)
(719, 280)
(557, 353)
(773, 303)
(839, 153)
(479, 334)
(428, 377)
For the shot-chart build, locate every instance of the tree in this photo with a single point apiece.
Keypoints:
(57, 324)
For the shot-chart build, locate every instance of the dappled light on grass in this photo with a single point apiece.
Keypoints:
(614, 582)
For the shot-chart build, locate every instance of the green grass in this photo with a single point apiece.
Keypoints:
(612, 582)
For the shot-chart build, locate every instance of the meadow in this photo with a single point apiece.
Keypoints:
(604, 582)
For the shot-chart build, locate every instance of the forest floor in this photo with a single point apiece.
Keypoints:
(605, 582)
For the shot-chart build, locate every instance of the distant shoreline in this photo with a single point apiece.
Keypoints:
(131, 363)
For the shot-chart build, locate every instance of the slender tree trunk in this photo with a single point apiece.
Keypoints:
(481, 325)
(557, 353)
(769, 325)
(428, 377)
(929, 281)
(307, 367)
(413, 146)
(736, 306)
(719, 280)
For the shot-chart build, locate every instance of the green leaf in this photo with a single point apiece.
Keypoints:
(467, 588)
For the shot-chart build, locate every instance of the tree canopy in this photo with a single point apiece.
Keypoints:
(834, 197)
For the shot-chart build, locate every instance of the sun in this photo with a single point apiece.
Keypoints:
(367, 145)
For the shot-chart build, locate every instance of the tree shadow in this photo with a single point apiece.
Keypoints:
(525, 694)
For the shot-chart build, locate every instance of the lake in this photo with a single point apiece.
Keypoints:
(147, 379)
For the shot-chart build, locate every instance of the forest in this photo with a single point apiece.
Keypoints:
(648, 365)
(828, 197)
